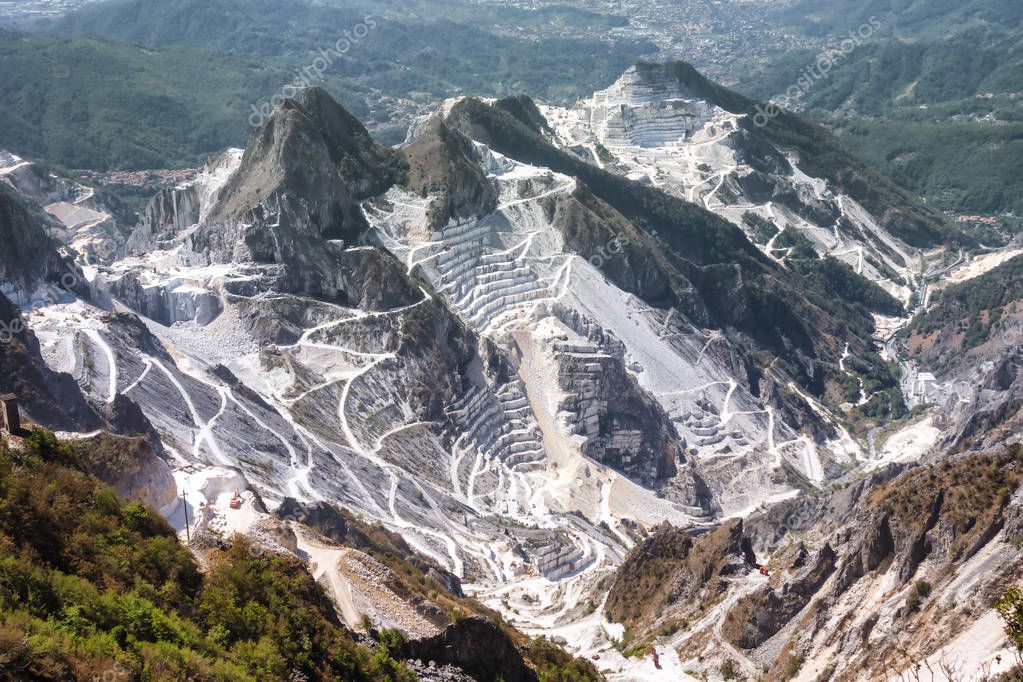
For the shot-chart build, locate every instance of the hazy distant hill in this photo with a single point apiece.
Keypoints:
(98, 103)
(430, 54)
(917, 18)
(81, 100)
(932, 98)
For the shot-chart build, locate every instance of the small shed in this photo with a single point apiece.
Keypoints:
(9, 407)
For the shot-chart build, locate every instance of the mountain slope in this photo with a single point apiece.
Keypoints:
(31, 267)
(90, 220)
(916, 18)
(520, 342)
(739, 337)
(966, 167)
(854, 582)
(881, 77)
(778, 306)
(48, 398)
(39, 273)
(821, 154)
(669, 127)
(114, 593)
(920, 111)
(971, 320)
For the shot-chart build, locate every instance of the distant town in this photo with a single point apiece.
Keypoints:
(155, 178)
(714, 36)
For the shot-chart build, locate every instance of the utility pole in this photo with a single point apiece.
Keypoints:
(184, 503)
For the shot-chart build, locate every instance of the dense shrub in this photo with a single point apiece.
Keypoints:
(90, 586)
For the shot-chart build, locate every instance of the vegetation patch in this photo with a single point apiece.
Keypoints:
(964, 316)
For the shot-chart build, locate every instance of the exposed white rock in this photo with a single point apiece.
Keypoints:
(657, 132)
(85, 223)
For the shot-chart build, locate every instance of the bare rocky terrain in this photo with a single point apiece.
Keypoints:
(543, 371)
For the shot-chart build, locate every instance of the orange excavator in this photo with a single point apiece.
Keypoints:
(236, 501)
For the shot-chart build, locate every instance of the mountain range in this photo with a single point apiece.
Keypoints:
(651, 386)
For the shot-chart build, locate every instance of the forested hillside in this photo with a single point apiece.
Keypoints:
(428, 54)
(932, 101)
(98, 103)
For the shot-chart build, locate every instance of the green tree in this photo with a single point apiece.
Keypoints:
(1010, 608)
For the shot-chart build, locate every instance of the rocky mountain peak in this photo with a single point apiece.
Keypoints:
(366, 166)
(524, 108)
(444, 166)
(287, 206)
(288, 157)
(657, 81)
(310, 150)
